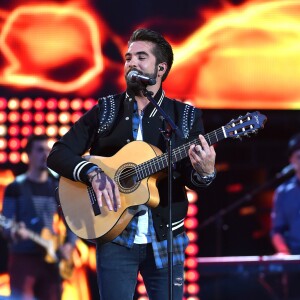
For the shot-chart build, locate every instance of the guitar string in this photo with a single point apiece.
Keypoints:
(148, 164)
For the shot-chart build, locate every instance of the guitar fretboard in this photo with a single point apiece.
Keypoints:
(160, 162)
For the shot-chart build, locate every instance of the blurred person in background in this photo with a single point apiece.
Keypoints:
(285, 226)
(36, 253)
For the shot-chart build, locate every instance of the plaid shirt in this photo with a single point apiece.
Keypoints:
(160, 249)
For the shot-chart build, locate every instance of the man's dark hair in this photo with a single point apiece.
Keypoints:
(162, 49)
(32, 138)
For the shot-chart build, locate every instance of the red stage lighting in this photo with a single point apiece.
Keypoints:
(27, 117)
(14, 130)
(3, 103)
(39, 104)
(51, 104)
(26, 103)
(26, 130)
(14, 117)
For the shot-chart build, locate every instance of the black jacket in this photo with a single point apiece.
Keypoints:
(107, 127)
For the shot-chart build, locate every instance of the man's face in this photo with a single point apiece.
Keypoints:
(140, 57)
(38, 155)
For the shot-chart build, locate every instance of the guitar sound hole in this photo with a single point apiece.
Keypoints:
(127, 178)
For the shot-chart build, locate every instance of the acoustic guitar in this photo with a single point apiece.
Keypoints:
(46, 240)
(136, 168)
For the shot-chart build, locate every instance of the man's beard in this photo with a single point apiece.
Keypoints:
(137, 87)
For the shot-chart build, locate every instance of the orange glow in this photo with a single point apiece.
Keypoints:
(3, 117)
(13, 103)
(64, 118)
(141, 289)
(192, 275)
(191, 262)
(51, 104)
(244, 56)
(39, 103)
(192, 196)
(3, 103)
(14, 117)
(192, 210)
(191, 223)
(192, 249)
(193, 236)
(27, 117)
(193, 288)
(14, 130)
(26, 103)
(26, 130)
(70, 40)
(14, 157)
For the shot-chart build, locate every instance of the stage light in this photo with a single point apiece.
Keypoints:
(3, 116)
(64, 104)
(193, 289)
(192, 275)
(64, 117)
(76, 104)
(3, 143)
(141, 289)
(13, 103)
(3, 103)
(40, 129)
(39, 117)
(192, 196)
(24, 158)
(89, 103)
(192, 249)
(14, 130)
(14, 157)
(192, 210)
(27, 117)
(193, 298)
(52, 130)
(26, 103)
(3, 157)
(14, 117)
(63, 130)
(39, 103)
(51, 104)
(75, 116)
(193, 236)
(3, 130)
(191, 262)
(14, 144)
(191, 223)
(26, 130)
(51, 117)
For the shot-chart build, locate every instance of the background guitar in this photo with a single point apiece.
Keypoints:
(46, 240)
(136, 169)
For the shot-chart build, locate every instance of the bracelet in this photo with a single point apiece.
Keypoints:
(98, 172)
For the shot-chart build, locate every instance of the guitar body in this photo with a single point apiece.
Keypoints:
(76, 202)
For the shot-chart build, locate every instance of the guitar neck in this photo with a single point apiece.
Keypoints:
(37, 239)
(160, 162)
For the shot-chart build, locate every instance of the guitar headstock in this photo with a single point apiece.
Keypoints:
(245, 125)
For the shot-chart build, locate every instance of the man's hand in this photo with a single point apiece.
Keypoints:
(105, 189)
(19, 232)
(203, 157)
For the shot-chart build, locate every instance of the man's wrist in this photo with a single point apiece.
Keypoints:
(207, 178)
